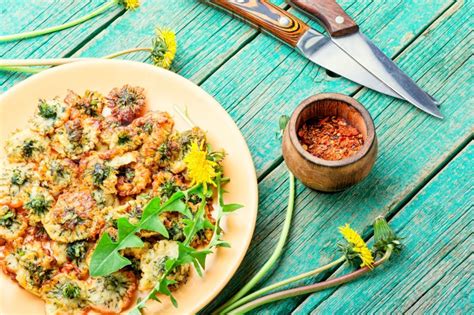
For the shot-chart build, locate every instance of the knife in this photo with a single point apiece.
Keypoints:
(310, 43)
(345, 34)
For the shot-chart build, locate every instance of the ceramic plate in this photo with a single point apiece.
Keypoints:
(165, 90)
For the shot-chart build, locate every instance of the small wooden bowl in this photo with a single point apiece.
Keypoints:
(324, 175)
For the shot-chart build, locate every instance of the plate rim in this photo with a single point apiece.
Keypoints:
(208, 98)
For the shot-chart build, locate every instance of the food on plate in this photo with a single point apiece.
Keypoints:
(82, 163)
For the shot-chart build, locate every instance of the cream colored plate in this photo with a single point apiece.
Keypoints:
(164, 90)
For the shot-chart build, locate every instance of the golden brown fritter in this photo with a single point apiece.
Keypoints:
(69, 176)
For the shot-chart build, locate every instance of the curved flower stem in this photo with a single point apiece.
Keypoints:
(271, 287)
(25, 65)
(99, 10)
(22, 69)
(62, 61)
(276, 253)
(38, 62)
(310, 288)
(127, 51)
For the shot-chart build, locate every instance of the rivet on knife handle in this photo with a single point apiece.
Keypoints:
(266, 16)
(331, 15)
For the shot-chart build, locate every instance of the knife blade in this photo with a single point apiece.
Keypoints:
(346, 35)
(313, 45)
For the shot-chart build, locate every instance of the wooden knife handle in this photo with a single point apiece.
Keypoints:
(266, 16)
(331, 14)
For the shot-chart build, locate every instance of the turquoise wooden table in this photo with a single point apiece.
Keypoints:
(422, 179)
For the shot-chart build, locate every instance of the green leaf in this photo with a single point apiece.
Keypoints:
(152, 207)
(153, 223)
(163, 289)
(188, 227)
(179, 206)
(126, 232)
(192, 225)
(106, 258)
(201, 255)
(169, 264)
(231, 207)
(220, 243)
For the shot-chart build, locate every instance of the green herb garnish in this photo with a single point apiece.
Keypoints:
(71, 291)
(38, 205)
(76, 251)
(100, 173)
(28, 148)
(47, 111)
(18, 177)
(187, 254)
(168, 188)
(164, 151)
(7, 219)
(106, 258)
(123, 139)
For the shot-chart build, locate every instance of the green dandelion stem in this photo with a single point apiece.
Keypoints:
(38, 62)
(276, 253)
(52, 29)
(22, 69)
(26, 65)
(271, 287)
(310, 288)
(128, 51)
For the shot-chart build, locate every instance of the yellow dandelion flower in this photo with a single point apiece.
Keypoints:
(200, 169)
(130, 4)
(164, 48)
(366, 256)
(358, 245)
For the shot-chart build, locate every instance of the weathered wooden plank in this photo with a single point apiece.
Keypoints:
(267, 79)
(25, 15)
(206, 36)
(454, 289)
(434, 269)
(412, 146)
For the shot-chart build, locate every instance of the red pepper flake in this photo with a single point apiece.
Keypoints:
(330, 138)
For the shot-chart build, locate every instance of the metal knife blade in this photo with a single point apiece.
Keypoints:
(345, 33)
(362, 50)
(323, 52)
(312, 44)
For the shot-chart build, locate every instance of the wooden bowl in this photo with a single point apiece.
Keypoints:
(325, 175)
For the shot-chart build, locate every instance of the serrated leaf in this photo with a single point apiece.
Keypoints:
(198, 268)
(163, 289)
(184, 254)
(153, 223)
(151, 207)
(231, 207)
(220, 243)
(179, 206)
(188, 227)
(127, 238)
(200, 256)
(106, 260)
(169, 264)
(173, 300)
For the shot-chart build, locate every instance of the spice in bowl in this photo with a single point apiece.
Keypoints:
(330, 138)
